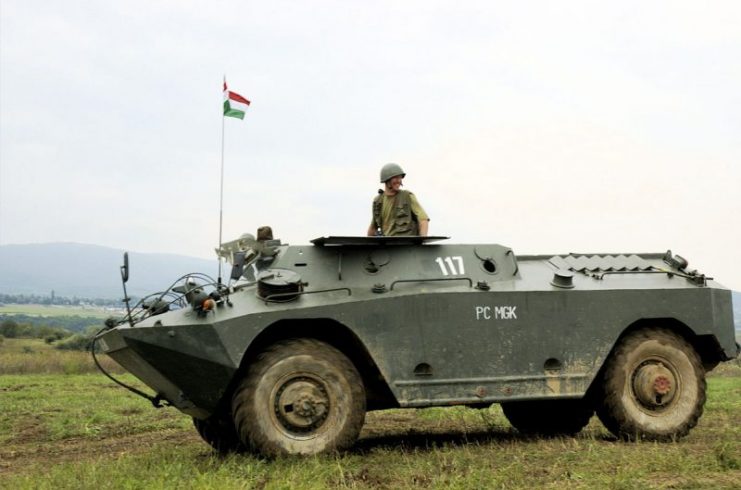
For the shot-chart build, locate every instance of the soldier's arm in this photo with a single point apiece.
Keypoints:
(423, 227)
(423, 220)
(372, 229)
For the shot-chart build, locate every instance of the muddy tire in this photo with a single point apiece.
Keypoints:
(548, 417)
(300, 396)
(653, 387)
(220, 433)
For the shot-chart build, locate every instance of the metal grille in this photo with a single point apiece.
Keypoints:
(600, 263)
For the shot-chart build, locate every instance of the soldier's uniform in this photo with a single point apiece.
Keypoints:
(398, 215)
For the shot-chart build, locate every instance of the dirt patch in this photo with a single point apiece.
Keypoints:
(382, 429)
(22, 458)
(130, 411)
(13, 388)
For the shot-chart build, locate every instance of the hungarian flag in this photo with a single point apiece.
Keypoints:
(234, 104)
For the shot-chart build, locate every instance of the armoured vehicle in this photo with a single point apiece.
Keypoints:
(288, 355)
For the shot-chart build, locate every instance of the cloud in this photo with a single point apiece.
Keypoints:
(546, 127)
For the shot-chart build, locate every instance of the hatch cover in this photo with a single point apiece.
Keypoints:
(344, 241)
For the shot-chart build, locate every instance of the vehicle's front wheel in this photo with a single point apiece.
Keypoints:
(548, 417)
(300, 396)
(220, 433)
(653, 386)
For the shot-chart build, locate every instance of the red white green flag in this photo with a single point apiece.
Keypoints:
(234, 104)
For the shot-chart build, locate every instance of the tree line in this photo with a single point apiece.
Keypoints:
(26, 325)
(66, 333)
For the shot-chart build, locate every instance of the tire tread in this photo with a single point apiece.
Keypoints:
(610, 409)
(242, 406)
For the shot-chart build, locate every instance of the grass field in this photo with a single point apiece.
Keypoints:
(33, 356)
(82, 431)
(43, 310)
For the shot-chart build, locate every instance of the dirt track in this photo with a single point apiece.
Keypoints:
(381, 429)
(19, 455)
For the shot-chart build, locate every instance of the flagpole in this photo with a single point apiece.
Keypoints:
(221, 189)
(238, 109)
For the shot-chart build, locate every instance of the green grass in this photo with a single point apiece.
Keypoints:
(81, 431)
(34, 356)
(44, 310)
(51, 408)
(20, 346)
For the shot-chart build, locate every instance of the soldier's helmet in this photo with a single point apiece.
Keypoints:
(391, 170)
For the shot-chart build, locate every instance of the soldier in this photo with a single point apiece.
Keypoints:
(396, 212)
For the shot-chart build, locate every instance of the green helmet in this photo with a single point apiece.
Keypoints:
(391, 170)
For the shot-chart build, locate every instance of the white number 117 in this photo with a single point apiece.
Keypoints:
(448, 267)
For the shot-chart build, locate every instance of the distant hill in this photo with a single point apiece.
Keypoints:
(90, 271)
(737, 309)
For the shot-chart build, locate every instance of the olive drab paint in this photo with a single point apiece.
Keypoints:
(429, 323)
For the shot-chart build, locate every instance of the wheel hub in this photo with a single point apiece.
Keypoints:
(301, 404)
(654, 385)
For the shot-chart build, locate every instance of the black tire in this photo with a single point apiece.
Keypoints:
(653, 387)
(329, 389)
(548, 417)
(220, 433)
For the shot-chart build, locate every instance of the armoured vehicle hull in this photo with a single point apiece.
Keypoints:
(290, 356)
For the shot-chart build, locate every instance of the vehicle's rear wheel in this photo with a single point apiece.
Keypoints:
(653, 386)
(220, 433)
(300, 396)
(548, 417)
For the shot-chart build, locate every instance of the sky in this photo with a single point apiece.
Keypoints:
(548, 127)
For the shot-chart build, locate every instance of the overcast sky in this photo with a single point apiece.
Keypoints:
(549, 127)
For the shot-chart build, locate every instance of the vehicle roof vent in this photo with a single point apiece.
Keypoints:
(563, 279)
